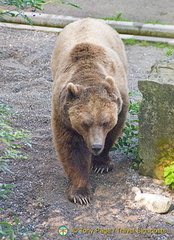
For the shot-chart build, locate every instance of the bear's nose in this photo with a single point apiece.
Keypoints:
(96, 148)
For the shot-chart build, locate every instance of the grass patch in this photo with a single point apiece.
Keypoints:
(130, 41)
(169, 51)
(118, 17)
(155, 22)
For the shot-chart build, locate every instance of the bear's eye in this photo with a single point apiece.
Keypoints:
(85, 125)
(105, 124)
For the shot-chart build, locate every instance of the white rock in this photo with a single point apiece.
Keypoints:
(153, 202)
(169, 219)
(171, 42)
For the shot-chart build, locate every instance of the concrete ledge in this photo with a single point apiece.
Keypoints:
(59, 21)
(58, 30)
(30, 27)
(148, 39)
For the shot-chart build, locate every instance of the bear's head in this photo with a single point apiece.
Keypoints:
(93, 111)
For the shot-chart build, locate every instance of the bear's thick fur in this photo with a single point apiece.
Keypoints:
(90, 100)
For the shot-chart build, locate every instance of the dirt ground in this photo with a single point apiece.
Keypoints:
(39, 198)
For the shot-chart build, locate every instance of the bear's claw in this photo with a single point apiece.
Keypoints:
(102, 168)
(82, 201)
(80, 195)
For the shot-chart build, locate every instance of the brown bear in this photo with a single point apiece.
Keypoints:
(89, 102)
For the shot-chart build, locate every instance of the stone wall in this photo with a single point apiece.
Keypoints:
(156, 119)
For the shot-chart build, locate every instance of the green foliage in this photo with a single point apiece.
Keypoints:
(130, 41)
(63, 3)
(4, 189)
(38, 4)
(10, 138)
(155, 22)
(118, 17)
(169, 52)
(128, 142)
(25, 4)
(13, 230)
(169, 175)
(20, 4)
(161, 45)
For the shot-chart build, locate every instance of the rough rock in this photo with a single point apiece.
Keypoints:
(169, 220)
(153, 202)
(156, 118)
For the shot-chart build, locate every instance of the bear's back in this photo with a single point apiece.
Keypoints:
(87, 31)
(91, 31)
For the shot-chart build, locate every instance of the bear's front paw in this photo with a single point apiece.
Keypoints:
(80, 195)
(102, 167)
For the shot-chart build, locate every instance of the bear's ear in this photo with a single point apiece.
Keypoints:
(120, 104)
(73, 90)
(111, 86)
(111, 81)
(114, 92)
